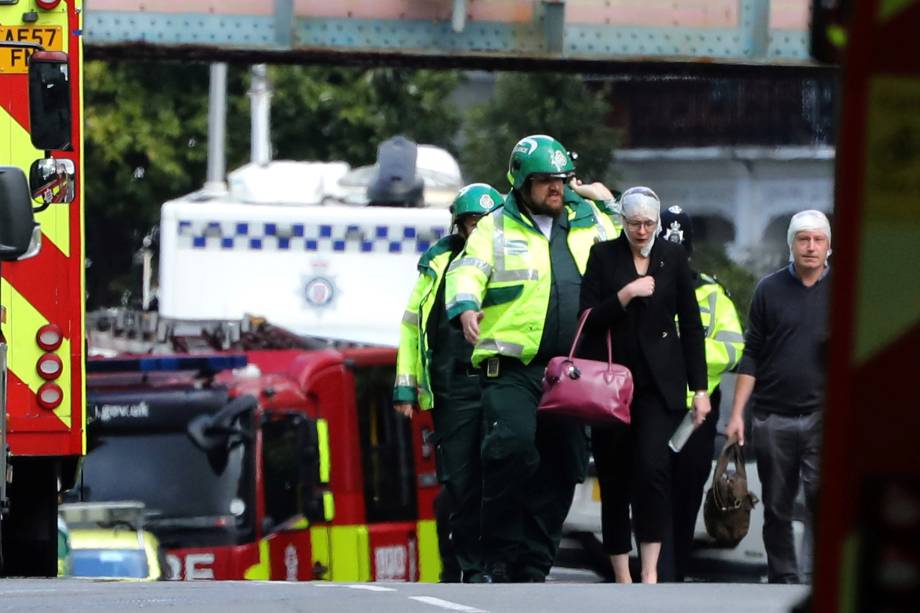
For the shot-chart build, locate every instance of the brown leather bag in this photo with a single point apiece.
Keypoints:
(727, 509)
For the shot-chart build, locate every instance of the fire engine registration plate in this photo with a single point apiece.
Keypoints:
(15, 59)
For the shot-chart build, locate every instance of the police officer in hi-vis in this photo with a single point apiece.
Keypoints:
(724, 346)
(433, 372)
(515, 294)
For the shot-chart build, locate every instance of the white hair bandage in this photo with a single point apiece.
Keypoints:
(642, 202)
(810, 221)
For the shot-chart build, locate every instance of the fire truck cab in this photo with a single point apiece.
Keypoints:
(273, 464)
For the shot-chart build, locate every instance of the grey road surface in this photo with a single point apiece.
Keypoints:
(75, 596)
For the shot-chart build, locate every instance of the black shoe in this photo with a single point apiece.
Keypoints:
(477, 577)
(529, 575)
(498, 572)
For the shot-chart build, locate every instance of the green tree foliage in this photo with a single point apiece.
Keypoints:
(146, 138)
(559, 105)
(335, 113)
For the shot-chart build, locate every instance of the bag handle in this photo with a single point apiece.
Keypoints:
(731, 452)
(577, 339)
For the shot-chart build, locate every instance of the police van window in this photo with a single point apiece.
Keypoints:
(386, 448)
(281, 474)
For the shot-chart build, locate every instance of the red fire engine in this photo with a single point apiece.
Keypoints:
(41, 379)
(266, 464)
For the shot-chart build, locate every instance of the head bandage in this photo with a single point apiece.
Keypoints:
(642, 202)
(811, 221)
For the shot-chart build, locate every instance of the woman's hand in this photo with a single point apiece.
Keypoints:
(701, 408)
(640, 288)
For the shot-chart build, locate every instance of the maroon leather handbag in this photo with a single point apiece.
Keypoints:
(587, 390)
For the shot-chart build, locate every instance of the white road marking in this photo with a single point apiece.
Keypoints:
(446, 604)
(357, 586)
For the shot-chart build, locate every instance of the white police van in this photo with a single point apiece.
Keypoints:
(291, 251)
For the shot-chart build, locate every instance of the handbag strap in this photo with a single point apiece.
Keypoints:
(731, 452)
(722, 464)
(577, 340)
(738, 458)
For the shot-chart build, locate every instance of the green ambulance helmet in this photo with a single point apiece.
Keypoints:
(538, 154)
(475, 199)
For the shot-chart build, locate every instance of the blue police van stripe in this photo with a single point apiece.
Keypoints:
(275, 236)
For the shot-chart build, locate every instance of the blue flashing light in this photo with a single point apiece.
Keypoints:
(204, 364)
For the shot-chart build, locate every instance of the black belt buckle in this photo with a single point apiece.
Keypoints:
(492, 367)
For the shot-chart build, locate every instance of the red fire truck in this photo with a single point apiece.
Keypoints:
(41, 381)
(269, 463)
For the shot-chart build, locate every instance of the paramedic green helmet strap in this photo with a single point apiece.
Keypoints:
(475, 199)
(538, 154)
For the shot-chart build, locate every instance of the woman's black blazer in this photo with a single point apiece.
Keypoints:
(673, 360)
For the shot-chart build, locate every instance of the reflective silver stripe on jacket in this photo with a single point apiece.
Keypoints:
(498, 242)
(710, 308)
(471, 261)
(728, 339)
(516, 275)
(410, 318)
(464, 298)
(406, 381)
(598, 226)
(500, 272)
(727, 336)
(500, 347)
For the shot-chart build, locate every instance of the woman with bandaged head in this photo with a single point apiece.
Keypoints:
(641, 290)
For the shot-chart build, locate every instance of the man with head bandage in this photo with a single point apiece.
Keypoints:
(782, 373)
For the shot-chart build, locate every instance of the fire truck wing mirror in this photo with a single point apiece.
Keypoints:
(49, 100)
(20, 236)
(52, 181)
(214, 434)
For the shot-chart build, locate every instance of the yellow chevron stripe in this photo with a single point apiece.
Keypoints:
(24, 321)
(55, 220)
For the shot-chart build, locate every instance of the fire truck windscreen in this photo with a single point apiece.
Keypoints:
(139, 449)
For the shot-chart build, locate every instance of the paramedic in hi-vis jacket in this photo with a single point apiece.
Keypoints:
(515, 295)
(433, 372)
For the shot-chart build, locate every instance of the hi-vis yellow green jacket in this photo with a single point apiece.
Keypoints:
(724, 337)
(505, 272)
(413, 383)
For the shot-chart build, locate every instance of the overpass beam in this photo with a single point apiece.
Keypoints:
(554, 25)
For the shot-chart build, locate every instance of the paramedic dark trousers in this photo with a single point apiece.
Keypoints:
(458, 432)
(530, 468)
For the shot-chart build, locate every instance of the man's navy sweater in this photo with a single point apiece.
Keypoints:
(785, 342)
